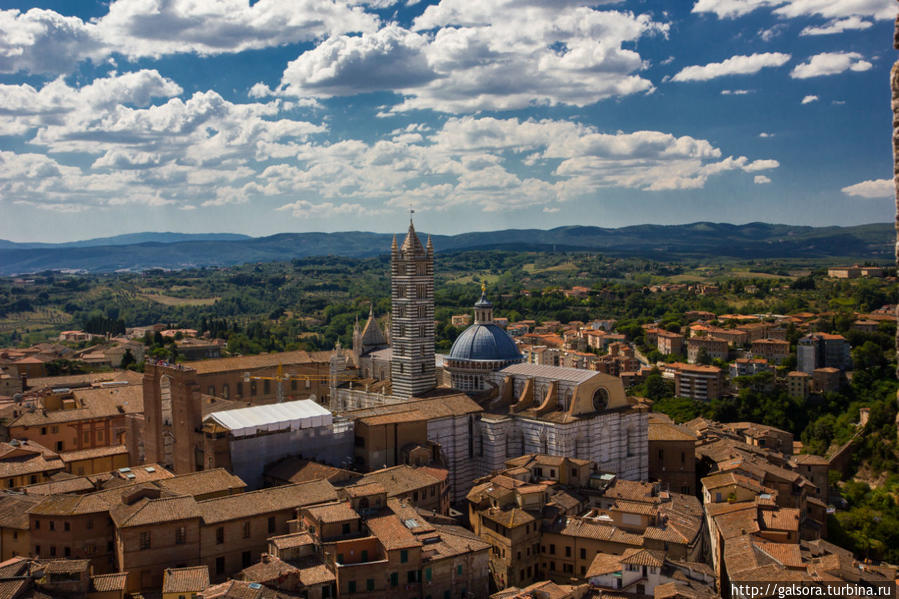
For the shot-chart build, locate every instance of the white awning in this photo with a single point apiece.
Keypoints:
(304, 413)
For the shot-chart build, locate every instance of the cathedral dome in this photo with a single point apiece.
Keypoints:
(486, 342)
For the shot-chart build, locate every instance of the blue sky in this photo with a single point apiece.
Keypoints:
(320, 115)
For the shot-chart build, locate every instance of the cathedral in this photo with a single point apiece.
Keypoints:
(525, 408)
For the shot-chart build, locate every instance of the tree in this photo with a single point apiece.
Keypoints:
(127, 359)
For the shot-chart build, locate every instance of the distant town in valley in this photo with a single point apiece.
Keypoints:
(469, 423)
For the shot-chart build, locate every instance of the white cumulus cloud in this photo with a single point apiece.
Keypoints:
(466, 57)
(873, 188)
(809, 99)
(761, 179)
(832, 9)
(43, 41)
(838, 26)
(830, 63)
(735, 65)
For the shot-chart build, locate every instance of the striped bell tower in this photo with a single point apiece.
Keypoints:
(412, 316)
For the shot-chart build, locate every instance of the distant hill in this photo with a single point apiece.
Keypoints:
(128, 239)
(142, 251)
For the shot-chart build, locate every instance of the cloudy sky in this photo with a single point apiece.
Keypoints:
(328, 115)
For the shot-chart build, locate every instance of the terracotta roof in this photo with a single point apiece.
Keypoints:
(394, 417)
(643, 557)
(78, 484)
(333, 512)
(269, 568)
(96, 403)
(391, 532)
(20, 457)
(102, 583)
(11, 589)
(252, 362)
(14, 566)
(289, 541)
(94, 452)
(739, 522)
(185, 580)
(510, 518)
(154, 511)
(65, 566)
(604, 563)
(662, 431)
(313, 572)
(14, 510)
(401, 479)
(577, 527)
(443, 405)
(203, 482)
(296, 470)
(781, 519)
(787, 554)
(633, 490)
(264, 501)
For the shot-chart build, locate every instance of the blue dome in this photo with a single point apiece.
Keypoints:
(484, 342)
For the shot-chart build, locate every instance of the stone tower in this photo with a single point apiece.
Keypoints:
(412, 316)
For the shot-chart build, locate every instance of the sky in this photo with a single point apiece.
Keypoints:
(335, 115)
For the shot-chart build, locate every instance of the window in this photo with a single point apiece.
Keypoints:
(220, 565)
(352, 586)
(271, 524)
(43, 430)
(66, 526)
(552, 549)
(410, 576)
(225, 391)
(583, 553)
(459, 570)
(52, 525)
(346, 530)
(253, 388)
(52, 550)
(567, 551)
(364, 557)
(246, 559)
(369, 584)
(37, 523)
(210, 390)
(404, 556)
(54, 428)
(144, 542)
(239, 389)
(67, 551)
(220, 535)
(428, 574)
(33, 479)
(394, 579)
(37, 549)
(180, 535)
(246, 529)
(266, 387)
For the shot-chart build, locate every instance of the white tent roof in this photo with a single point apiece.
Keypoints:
(304, 413)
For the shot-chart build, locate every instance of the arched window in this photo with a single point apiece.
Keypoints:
(600, 399)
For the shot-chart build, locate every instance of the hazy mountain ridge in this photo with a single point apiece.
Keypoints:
(142, 251)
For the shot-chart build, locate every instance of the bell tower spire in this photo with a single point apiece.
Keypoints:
(412, 370)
